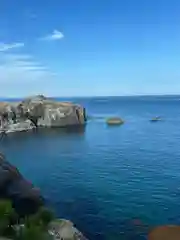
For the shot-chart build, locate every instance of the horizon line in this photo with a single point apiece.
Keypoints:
(96, 96)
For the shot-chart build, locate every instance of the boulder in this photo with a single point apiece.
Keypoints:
(25, 197)
(65, 230)
(114, 121)
(39, 111)
(22, 126)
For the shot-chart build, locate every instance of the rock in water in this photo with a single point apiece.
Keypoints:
(25, 197)
(114, 121)
(22, 126)
(41, 112)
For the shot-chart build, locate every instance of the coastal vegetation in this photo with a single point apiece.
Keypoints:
(23, 215)
(28, 227)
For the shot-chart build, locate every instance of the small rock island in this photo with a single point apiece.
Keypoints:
(38, 112)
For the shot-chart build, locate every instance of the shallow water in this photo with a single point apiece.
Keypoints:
(108, 180)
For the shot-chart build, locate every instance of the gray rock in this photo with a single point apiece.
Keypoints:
(60, 115)
(39, 111)
(64, 230)
(20, 126)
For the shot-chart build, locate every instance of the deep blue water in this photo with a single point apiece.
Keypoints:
(104, 178)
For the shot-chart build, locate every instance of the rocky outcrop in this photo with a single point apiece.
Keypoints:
(114, 121)
(25, 197)
(65, 230)
(20, 126)
(39, 111)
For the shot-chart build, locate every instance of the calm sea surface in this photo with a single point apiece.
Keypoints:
(112, 182)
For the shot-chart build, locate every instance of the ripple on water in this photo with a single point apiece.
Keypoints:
(104, 179)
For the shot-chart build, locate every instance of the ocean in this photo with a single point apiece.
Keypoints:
(113, 182)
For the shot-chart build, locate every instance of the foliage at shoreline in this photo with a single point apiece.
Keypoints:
(27, 228)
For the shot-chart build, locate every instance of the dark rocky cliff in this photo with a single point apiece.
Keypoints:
(25, 197)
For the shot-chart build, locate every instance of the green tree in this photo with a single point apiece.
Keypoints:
(42, 218)
(36, 226)
(31, 232)
(33, 227)
(8, 218)
(45, 216)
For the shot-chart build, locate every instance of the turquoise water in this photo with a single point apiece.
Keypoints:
(108, 180)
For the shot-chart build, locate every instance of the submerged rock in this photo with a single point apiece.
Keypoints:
(39, 111)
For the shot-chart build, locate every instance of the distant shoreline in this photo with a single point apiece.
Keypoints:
(97, 97)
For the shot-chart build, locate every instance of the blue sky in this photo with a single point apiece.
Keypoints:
(89, 47)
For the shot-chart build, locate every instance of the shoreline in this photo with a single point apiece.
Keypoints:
(27, 201)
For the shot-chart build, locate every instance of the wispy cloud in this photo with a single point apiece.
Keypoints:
(55, 35)
(14, 67)
(7, 46)
(21, 75)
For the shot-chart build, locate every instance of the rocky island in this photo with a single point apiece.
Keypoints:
(38, 112)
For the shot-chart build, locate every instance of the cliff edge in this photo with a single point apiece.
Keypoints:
(27, 201)
(25, 197)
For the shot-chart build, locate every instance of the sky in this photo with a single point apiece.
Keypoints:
(89, 47)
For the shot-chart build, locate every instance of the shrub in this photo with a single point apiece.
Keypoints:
(33, 227)
(45, 215)
(8, 217)
(41, 218)
(31, 232)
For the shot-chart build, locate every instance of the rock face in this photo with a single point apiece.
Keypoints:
(20, 126)
(65, 230)
(25, 197)
(39, 111)
(114, 121)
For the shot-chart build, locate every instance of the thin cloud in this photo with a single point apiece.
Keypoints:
(55, 35)
(22, 68)
(22, 75)
(8, 46)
